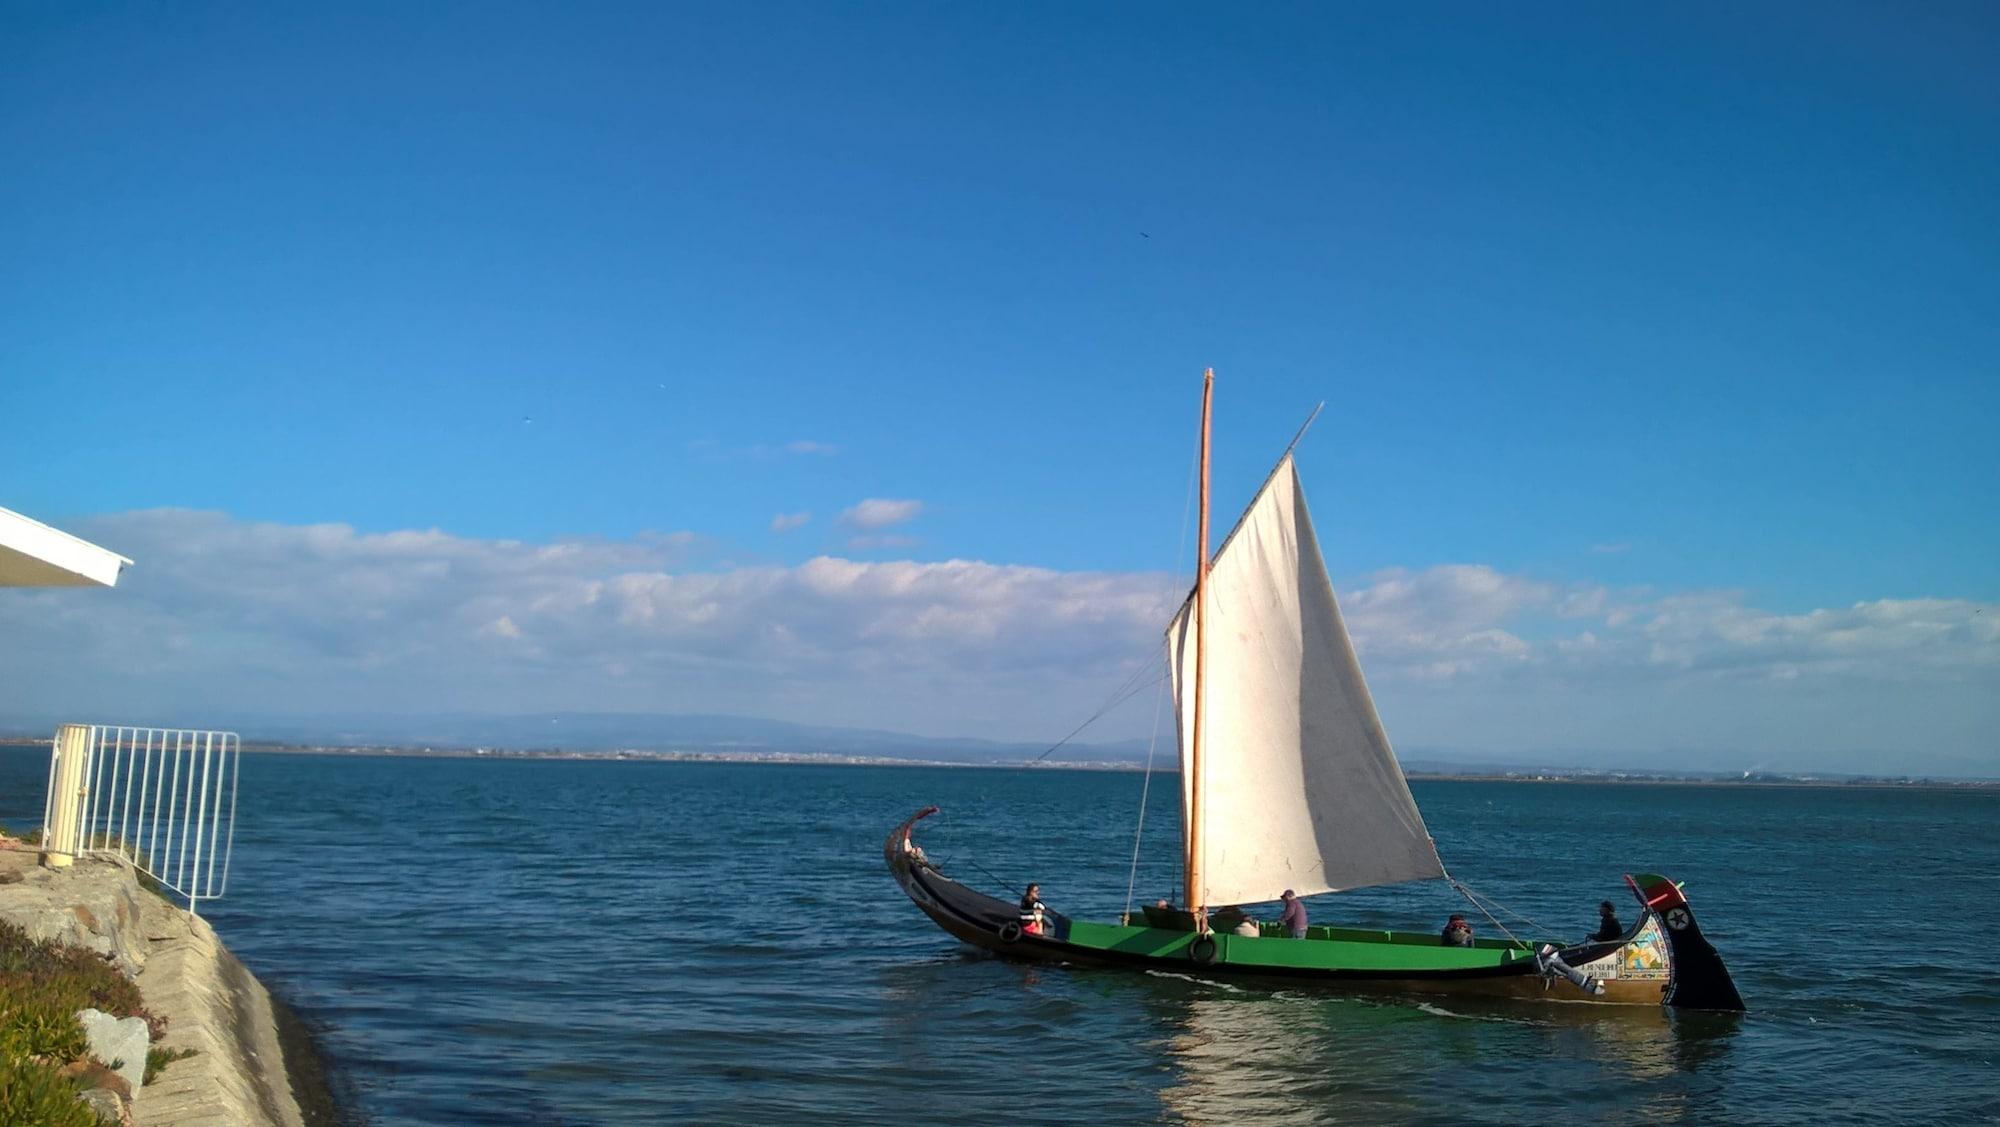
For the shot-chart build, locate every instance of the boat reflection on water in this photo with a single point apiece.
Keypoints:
(1308, 1058)
(1107, 1045)
(1280, 1060)
(1640, 1042)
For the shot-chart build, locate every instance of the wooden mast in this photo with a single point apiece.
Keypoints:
(1194, 856)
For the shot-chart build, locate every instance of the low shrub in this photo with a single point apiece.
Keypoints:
(34, 1026)
(44, 1054)
(32, 1092)
(158, 1059)
(64, 976)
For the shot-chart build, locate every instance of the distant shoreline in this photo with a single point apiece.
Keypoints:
(840, 759)
(1633, 779)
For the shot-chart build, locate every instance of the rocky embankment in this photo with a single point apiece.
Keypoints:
(251, 1062)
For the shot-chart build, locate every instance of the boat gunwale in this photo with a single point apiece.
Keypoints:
(937, 902)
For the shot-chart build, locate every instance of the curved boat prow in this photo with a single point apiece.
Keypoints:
(898, 850)
(1700, 980)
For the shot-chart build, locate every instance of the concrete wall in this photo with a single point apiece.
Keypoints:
(239, 1076)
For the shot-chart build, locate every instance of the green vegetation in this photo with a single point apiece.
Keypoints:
(42, 986)
(158, 1059)
(33, 1092)
(69, 978)
(35, 1027)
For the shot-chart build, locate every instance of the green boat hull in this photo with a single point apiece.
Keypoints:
(1662, 960)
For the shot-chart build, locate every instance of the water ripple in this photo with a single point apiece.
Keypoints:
(562, 942)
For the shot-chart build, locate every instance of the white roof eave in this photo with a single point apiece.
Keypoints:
(34, 555)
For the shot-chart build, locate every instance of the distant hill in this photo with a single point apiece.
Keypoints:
(732, 736)
(639, 731)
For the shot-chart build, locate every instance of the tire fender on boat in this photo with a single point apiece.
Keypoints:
(1202, 950)
(1010, 931)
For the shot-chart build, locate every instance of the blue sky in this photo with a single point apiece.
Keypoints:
(1690, 303)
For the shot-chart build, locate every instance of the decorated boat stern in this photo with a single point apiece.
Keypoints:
(1699, 981)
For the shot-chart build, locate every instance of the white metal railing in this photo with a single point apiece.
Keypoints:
(162, 798)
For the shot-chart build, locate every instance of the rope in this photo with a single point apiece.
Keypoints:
(1475, 900)
(1145, 789)
(1536, 924)
(1133, 685)
(991, 875)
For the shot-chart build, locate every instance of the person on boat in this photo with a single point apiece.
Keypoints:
(1294, 918)
(1457, 933)
(1608, 927)
(1031, 910)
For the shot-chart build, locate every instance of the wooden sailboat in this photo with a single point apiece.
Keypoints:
(1289, 782)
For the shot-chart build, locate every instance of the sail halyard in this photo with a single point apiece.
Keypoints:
(1299, 787)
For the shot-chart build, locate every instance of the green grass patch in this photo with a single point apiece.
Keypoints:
(158, 1059)
(54, 974)
(42, 986)
(32, 1092)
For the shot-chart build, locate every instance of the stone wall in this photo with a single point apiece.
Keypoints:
(238, 1076)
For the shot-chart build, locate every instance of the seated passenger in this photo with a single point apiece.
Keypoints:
(1608, 927)
(1031, 910)
(1457, 933)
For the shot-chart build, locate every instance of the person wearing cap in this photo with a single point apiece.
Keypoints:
(1457, 933)
(1608, 927)
(1294, 918)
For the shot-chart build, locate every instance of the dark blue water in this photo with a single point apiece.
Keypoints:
(565, 942)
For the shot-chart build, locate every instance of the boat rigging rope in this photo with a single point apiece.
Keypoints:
(1480, 903)
(1474, 901)
(1536, 924)
(1132, 687)
(1153, 742)
(991, 875)
(1145, 789)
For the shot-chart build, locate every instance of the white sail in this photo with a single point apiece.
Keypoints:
(1301, 789)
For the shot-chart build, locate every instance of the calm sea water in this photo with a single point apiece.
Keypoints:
(568, 942)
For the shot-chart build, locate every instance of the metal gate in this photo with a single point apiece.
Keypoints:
(162, 798)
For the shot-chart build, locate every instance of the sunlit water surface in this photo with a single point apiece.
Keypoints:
(571, 942)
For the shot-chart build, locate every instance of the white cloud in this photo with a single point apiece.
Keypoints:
(804, 447)
(1886, 639)
(502, 627)
(222, 616)
(880, 512)
(1464, 619)
(1444, 620)
(1467, 658)
(786, 522)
